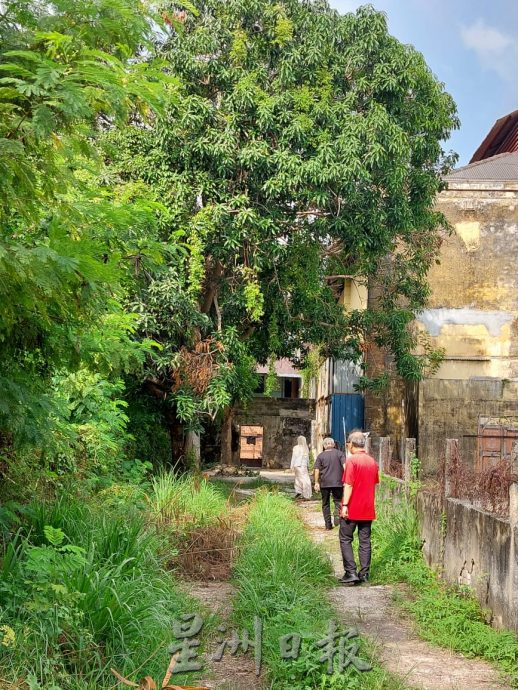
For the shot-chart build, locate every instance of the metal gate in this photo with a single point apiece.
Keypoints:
(496, 436)
(347, 413)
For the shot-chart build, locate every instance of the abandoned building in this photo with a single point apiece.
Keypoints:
(263, 433)
(472, 314)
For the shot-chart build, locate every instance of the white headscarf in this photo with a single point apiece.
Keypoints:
(301, 441)
(300, 455)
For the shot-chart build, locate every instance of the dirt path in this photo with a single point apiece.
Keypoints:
(370, 609)
(232, 672)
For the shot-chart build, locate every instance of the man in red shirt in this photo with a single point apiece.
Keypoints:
(357, 509)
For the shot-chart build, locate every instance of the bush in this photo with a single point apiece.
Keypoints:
(82, 591)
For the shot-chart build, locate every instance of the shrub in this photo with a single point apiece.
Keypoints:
(83, 591)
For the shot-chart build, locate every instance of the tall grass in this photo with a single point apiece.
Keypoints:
(99, 600)
(283, 578)
(188, 499)
(445, 615)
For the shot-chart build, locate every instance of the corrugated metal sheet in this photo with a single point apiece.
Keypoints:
(501, 168)
(347, 413)
(502, 138)
(345, 376)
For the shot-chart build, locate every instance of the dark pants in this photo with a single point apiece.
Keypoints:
(347, 528)
(337, 492)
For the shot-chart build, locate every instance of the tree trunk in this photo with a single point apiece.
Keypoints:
(226, 438)
(192, 449)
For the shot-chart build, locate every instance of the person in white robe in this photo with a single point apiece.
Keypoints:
(300, 464)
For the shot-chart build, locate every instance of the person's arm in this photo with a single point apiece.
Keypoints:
(344, 510)
(317, 479)
(293, 455)
(348, 480)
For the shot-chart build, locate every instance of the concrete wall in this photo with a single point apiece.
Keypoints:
(451, 409)
(283, 420)
(474, 549)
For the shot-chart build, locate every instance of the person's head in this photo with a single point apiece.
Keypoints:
(301, 441)
(348, 442)
(356, 442)
(328, 443)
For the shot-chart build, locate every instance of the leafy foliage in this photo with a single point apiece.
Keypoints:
(301, 144)
(65, 69)
(82, 588)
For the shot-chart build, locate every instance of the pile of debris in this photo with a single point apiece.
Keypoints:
(232, 471)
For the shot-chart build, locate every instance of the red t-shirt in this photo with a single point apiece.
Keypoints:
(361, 472)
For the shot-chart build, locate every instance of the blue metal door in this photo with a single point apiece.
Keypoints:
(347, 413)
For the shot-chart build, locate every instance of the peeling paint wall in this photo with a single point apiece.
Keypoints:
(473, 309)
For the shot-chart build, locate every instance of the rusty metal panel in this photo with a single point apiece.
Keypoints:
(251, 445)
(496, 436)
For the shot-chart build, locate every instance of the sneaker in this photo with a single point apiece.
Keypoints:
(329, 526)
(363, 578)
(349, 579)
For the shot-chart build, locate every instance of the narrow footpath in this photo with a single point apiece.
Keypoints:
(370, 609)
(233, 672)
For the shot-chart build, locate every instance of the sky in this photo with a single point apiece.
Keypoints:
(471, 46)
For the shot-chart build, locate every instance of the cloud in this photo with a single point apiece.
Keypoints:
(495, 50)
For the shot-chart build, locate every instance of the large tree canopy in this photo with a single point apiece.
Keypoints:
(303, 143)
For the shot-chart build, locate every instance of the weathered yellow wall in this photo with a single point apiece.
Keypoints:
(354, 296)
(473, 309)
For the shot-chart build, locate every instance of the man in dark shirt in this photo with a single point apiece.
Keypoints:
(357, 510)
(329, 468)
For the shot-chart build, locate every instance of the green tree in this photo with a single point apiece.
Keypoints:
(67, 71)
(302, 144)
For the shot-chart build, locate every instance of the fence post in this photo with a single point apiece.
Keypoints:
(513, 486)
(410, 447)
(452, 453)
(385, 454)
(368, 444)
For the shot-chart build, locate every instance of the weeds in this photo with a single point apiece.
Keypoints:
(187, 500)
(445, 615)
(80, 591)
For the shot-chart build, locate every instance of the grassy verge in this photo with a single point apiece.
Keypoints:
(448, 616)
(86, 585)
(283, 578)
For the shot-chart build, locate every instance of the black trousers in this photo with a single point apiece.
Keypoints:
(347, 528)
(337, 492)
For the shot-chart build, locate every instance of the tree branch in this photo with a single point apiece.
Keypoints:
(212, 288)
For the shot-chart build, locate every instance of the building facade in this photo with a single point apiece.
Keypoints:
(472, 315)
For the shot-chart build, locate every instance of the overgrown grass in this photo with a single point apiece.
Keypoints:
(88, 594)
(444, 615)
(189, 499)
(283, 578)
